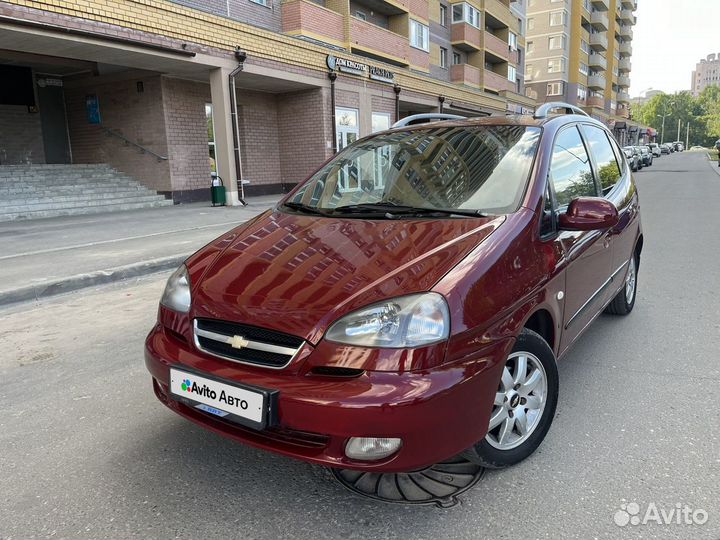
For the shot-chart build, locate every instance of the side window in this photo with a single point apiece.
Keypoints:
(570, 171)
(607, 165)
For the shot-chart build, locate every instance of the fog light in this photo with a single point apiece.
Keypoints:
(371, 448)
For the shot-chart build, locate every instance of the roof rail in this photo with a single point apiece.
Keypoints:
(543, 110)
(424, 118)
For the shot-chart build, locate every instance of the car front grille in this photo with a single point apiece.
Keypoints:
(246, 344)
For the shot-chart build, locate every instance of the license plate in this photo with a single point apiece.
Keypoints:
(226, 400)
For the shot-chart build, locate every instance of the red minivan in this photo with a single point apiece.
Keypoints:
(407, 303)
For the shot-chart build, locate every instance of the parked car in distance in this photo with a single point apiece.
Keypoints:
(678, 146)
(633, 158)
(637, 155)
(655, 149)
(665, 148)
(408, 301)
(645, 155)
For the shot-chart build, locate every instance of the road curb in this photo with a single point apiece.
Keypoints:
(81, 281)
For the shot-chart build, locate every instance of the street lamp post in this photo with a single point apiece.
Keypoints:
(664, 114)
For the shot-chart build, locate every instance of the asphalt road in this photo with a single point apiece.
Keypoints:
(87, 452)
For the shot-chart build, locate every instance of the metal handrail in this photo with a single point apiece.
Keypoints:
(426, 117)
(140, 147)
(544, 109)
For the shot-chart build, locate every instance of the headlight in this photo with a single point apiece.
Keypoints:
(177, 291)
(404, 322)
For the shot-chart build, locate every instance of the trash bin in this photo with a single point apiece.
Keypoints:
(217, 190)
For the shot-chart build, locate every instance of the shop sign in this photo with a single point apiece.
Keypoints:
(358, 68)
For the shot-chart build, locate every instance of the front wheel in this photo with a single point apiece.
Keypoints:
(524, 404)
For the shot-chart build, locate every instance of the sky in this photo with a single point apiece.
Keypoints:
(669, 39)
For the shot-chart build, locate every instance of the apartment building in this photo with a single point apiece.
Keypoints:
(262, 91)
(579, 51)
(707, 73)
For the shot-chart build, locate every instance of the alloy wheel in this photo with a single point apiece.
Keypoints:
(630, 281)
(519, 401)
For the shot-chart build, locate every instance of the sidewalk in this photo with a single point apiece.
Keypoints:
(45, 257)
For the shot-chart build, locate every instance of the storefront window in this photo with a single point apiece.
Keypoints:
(380, 121)
(211, 136)
(348, 131)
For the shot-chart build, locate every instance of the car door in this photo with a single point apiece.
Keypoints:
(587, 254)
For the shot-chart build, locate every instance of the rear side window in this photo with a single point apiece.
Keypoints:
(607, 165)
(570, 171)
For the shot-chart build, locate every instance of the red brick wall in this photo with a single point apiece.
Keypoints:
(304, 15)
(305, 132)
(20, 136)
(418, 7)
(186, 127)
(419, 58)
(137, 116)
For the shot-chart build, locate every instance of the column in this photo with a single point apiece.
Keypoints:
(224, 151)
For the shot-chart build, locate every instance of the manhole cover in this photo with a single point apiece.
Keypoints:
(438, 484)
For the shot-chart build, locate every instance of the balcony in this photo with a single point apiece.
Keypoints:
(596, 101)
(500, 11)
(369, 38)
(598, 62)
(624, 66)
(496, 46)
(623, 112)
(623, 97)
(306, 18)
(596, 82)
(465, 74)
(625, 31)
(466, 37)
(599, 20)
(601, 5)
(627, 16)
(623, 81)
(599, 42)
(497, 82)
(629, 4)
(625, 49)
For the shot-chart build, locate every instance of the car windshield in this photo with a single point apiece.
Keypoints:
(475, 170)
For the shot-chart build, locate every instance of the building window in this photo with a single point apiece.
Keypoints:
(531, 24)
(512, 73)
(443, 57)
(380, 122)
(419, 35)
(581, 92)
(529, 47)
(261, 2)
(457, 59)
(466, 13)
(583, 68)
(360, 15)
(555, 88)
(584, 47)
(557, 18)
(556, 65)
(556, 42)
(528, 72)
(512, 41)
(211, 136)
(443, 15)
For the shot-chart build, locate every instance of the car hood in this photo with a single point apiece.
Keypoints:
(298, 274)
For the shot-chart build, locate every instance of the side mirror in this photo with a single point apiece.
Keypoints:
(589, 214)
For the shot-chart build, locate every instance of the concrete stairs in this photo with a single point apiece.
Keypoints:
(41, 191)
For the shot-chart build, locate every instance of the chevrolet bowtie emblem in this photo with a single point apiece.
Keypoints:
(238, 342)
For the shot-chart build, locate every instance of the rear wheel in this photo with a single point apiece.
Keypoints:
(624, 301)
(524, 404)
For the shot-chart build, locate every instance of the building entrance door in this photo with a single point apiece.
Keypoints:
(53, 121)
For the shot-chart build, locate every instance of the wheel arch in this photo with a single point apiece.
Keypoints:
(541, 322)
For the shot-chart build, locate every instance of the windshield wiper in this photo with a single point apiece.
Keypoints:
(393, 210)
(300, 207)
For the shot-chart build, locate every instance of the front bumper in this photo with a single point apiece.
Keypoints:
(437, 412)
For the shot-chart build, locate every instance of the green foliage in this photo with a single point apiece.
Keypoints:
(702, 113)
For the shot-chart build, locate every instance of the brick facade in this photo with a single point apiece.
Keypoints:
(138, 116)
(20, 136)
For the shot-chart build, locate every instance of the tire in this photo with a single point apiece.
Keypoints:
(490, 452)
(624, 301)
